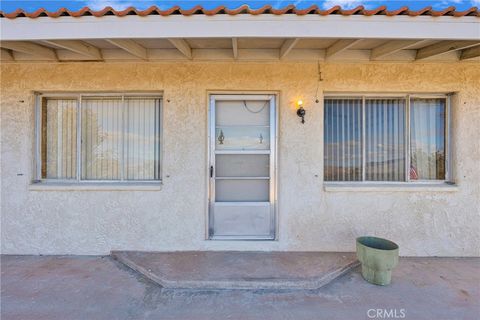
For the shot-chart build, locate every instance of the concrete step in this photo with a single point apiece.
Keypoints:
(239, 270)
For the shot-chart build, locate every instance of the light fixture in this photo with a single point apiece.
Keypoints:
(300, 111)
(221, 137)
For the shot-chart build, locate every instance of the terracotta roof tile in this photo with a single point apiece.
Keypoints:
(244, 9)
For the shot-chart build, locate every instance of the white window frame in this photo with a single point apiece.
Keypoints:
(78, 96)
(407, 96)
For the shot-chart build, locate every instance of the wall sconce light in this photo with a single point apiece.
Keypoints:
(300, 111)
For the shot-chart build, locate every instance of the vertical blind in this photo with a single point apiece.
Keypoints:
(120, 138)
(385, 139)
(343, 140)
(59, 133)
(142, 139)
(377, 149)
(101, 138)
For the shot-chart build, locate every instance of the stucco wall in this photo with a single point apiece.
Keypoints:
(95, 222)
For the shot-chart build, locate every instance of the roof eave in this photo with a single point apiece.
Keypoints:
(228, 26)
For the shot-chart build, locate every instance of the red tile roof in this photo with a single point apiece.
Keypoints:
(197, 10)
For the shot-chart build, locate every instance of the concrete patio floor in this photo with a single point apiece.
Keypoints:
(85, 287)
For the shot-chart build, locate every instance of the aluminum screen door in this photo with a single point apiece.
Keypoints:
(242, 167)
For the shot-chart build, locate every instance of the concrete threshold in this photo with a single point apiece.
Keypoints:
(239, 269)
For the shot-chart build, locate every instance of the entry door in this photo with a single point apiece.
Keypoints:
(242, 167)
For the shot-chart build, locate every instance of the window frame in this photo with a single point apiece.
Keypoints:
(37, 174)
(408, 97)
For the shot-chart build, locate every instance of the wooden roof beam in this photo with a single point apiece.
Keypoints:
(131, 47)
(340, 46)
(77, 46)
(443, 47)
(235, 47)
(30, 48)
(473, 52)
(182, 46)
(6, 55)
(391, 47)
(287, 46)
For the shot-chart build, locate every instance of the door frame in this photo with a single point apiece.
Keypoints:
(273, 96)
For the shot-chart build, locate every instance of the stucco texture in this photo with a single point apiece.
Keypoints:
(426, 223)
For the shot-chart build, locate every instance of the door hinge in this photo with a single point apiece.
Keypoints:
(211, 171)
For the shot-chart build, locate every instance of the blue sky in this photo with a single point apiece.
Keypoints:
(32, 5)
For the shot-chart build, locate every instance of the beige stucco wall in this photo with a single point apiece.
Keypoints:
(174, 218)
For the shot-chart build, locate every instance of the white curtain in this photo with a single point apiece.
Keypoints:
(427, 139)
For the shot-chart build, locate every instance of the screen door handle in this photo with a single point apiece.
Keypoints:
(211, 171)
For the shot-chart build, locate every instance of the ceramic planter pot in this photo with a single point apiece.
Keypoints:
(378, 257)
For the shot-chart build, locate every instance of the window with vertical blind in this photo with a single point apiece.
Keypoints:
(107, 137)
(386, 138)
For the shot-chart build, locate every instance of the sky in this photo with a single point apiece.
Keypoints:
(53, 5)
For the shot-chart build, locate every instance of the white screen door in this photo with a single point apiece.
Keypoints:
(242, 167)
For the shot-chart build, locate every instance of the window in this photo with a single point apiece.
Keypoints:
(398, 139)
(98, 138)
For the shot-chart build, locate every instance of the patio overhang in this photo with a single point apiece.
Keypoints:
(243, 37)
